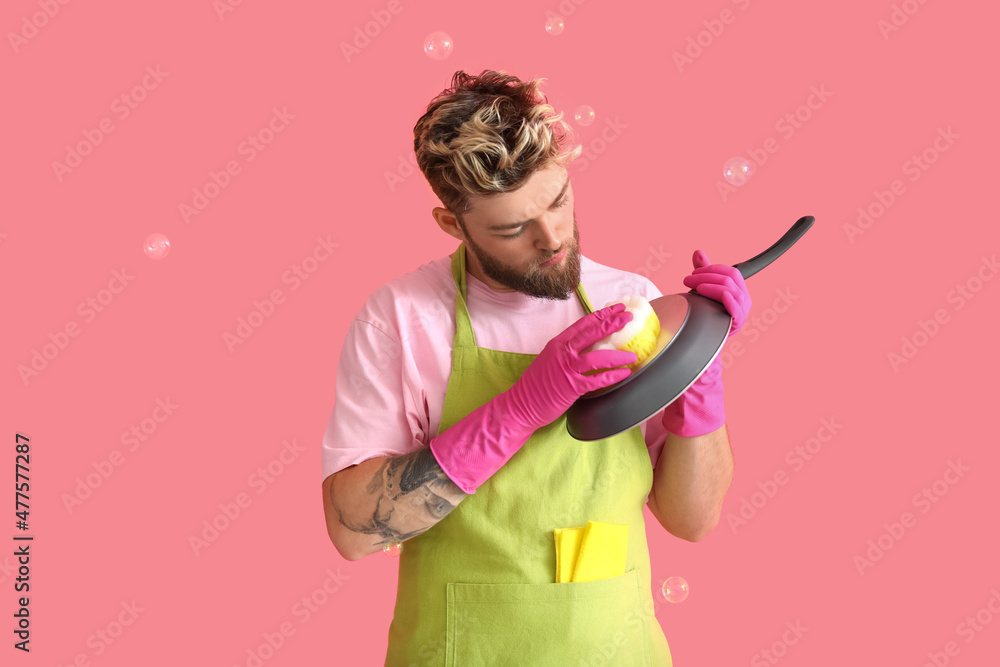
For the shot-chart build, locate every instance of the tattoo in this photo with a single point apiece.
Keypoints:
(406, 486)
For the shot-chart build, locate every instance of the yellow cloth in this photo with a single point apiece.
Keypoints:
(594, 551)
(567, 546)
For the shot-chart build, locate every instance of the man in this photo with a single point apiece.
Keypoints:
(449, 435)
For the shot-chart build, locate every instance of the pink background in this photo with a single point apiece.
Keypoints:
(649, 187)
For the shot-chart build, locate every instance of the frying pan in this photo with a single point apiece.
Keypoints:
(693, 329)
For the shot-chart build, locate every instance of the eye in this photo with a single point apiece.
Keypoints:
(559, 204)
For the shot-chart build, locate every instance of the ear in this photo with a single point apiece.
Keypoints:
(447, 221)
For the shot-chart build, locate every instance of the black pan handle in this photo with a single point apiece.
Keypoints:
(755, 264)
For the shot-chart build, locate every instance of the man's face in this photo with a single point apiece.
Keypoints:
(509, 237)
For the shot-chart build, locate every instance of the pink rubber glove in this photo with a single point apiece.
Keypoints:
(472, 450)
(700, 409)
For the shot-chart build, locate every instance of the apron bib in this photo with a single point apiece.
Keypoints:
(479, 587)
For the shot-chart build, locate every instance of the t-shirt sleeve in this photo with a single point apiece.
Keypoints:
(370, 415)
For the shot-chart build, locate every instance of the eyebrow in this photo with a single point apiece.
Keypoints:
(511, 225)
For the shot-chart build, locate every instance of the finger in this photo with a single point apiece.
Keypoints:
(696, 279)
(730, 272)
(606, 379)
(736, 310)
(592, 320)
(724, 269)
(591, 328)
(712, 291)
(736, 303)
(699, 259)
(600, 359)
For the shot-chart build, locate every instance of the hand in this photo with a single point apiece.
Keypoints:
(475, 448)
(555, 379)
(700, 410)
(722, 283)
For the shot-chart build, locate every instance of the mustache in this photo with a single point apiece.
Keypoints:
(566, 248)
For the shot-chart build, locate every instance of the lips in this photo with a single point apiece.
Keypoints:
(554, 260)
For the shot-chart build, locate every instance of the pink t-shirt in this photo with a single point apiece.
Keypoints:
(396, 360)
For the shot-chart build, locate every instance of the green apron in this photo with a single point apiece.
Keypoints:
(479, 587)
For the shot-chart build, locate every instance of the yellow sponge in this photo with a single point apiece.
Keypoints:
(637, 336)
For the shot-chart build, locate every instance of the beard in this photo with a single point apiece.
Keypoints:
(541, 282)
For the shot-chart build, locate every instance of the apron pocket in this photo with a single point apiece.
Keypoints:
(596, 622)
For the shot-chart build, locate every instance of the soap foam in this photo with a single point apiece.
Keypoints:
(640, 309)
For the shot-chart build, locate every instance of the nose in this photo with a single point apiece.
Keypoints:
(548, 235)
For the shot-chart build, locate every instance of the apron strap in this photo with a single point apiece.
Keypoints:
(464, 335)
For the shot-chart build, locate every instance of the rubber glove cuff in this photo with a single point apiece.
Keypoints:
(479, 444)
(700, 409)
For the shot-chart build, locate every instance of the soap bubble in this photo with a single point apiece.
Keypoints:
(554, 24)
(584, 115)
(737, 170)
(675, 589)
(156, 246)
(438, 45)
(393, 549)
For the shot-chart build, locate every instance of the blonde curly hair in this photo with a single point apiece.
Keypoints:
(486, 135)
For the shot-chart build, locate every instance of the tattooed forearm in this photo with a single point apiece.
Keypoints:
(417, 470)
(405, 496)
